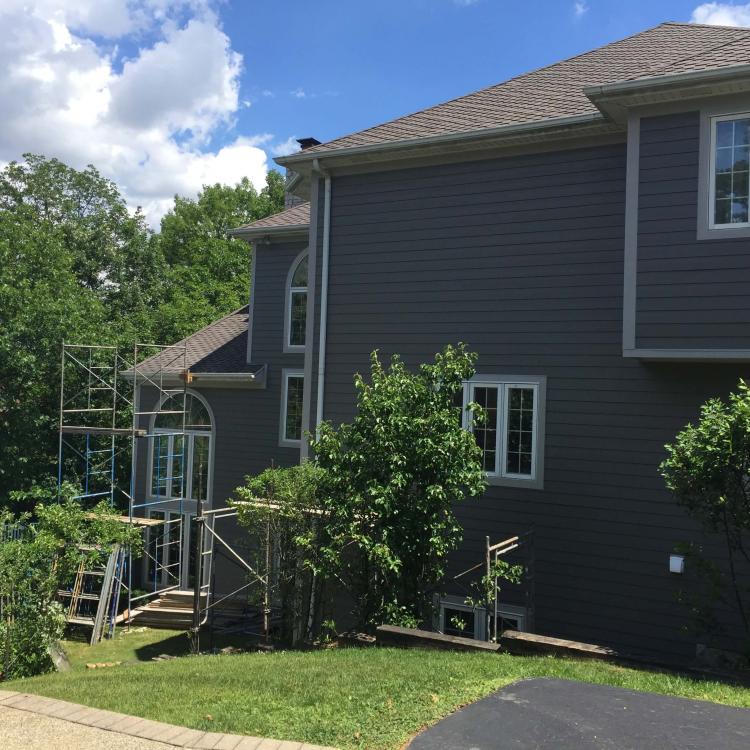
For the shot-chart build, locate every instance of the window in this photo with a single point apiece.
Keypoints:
(296, 306)
(511, 435)
(180, 460)
(730, 168)
(292, 384)
(455, 617)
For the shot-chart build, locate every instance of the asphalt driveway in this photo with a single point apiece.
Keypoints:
(545, 714)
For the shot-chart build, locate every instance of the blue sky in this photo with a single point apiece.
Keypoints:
(165, 96)
(363, 63)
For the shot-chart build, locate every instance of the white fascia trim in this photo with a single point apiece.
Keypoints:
(283, 232)
(673, 79)
(450, 138)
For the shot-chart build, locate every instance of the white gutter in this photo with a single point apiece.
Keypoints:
(435, 140)
(728, 72)
(323, 298)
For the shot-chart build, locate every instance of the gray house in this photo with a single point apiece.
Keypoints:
(584, 228)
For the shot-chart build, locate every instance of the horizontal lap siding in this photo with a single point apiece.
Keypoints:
(261, 444)
(425, 257)
(690, 293)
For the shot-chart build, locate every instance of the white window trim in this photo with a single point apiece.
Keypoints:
(504, 383)
(510, 611)
(166, 502)
(289, 290)
(285, 442)
(712, 225)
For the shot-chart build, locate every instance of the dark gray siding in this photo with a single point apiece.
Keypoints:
(272, 268)
(522, 258)
(691, 294)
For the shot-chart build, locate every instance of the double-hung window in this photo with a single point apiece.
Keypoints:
(730, 170)
(292, 390)
(511, 433)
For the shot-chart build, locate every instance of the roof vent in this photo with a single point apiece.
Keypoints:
(305, 143)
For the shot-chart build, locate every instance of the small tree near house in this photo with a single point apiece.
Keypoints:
(391, 480)
(707, 470)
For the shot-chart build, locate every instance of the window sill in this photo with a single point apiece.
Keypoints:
(529, 484)
(728, 233)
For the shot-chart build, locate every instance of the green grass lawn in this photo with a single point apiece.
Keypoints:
(373, 698)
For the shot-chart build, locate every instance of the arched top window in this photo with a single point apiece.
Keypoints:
(296, 305)
(171, 413)
(180, 467)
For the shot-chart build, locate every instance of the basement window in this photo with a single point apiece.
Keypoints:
(460, 619)
(511, 436)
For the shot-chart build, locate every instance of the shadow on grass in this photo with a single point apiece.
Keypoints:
(176, 645)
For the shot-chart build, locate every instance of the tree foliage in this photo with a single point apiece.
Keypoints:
(707, 470)
(76, 264)
(280, 508)
(37, 559)
(392, 478)
(208, 270)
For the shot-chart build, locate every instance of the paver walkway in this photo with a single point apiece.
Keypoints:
(30, 721)
(546, 714)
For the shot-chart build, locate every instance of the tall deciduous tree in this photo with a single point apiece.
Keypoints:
(392, 478)
(208, 270)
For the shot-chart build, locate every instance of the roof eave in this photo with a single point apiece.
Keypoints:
(290, 231)
(614, 99)
(476, 139)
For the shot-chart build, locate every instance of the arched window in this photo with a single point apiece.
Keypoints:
(179, 469)
(296, 305)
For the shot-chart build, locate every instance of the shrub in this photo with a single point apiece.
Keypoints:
(391, 480)
(707, 469)
(39, 554)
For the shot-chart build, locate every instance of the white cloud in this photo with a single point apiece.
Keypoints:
(299, 93)
(722, 14)
(146, 123)
(580, 8)
(465, 3)
(284, 148)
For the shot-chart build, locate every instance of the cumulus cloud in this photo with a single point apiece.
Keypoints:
(146, 122)
(284, 148)
(722, 14)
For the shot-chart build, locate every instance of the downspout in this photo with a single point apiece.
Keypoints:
(323, 296)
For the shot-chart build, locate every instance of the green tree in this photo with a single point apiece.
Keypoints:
(392, 478)
(74, 265)
(208, 270)
(281, 511)
(708, 471)
(37, 559)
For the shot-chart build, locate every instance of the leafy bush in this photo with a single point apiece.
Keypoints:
(39, 554)
(707, 469)
(284, 529)
(391, 479)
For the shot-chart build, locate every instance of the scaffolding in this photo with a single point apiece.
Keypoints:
(102, 431)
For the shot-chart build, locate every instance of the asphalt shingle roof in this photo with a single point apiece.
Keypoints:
(220, 347)
(298, 215)
(557, 90)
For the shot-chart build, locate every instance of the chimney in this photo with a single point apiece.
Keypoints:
(305, 143)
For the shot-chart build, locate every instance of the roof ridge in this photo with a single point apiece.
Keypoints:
(704, 25)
